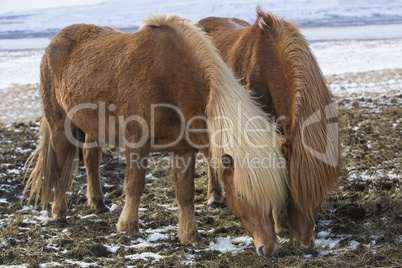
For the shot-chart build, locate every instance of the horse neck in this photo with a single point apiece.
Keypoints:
(252, 54)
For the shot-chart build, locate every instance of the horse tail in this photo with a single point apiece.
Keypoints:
(237, 125)
(42, 176)
(314, 157)
(45, 176)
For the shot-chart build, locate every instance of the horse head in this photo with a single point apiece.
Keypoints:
(260, 226)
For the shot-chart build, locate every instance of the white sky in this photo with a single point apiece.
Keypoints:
(19, 5)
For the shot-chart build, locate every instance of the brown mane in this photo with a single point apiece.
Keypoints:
(310, 178)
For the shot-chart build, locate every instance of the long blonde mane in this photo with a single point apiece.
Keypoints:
(263, 187)
(311, 177)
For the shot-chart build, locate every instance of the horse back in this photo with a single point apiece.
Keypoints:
(69, 38)
(129, 72)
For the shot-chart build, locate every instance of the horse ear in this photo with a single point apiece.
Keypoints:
(227, 161)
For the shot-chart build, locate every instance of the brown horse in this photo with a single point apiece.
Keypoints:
(272, 58)
(163, 88)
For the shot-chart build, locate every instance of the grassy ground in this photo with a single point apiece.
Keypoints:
(359, 224)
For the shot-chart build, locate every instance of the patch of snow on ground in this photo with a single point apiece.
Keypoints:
(81, 263)
(4, 201)
(49, 264)
(169, 207)
(227, 244)
(156, 237)
(144, 256)
(141, 243)
(113, 207)
(87, 216)
(353, 244)
(330, 243)
(43, 216)
(364, 84)
(112, 248)
(150, 176)
(16, 266)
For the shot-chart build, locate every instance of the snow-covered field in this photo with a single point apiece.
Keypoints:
(334, 57)
(372, 29)
(19, 73)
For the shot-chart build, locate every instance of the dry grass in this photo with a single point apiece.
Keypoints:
(363, 209)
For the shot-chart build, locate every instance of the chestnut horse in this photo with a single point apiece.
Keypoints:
(163, 88)
(272, 58)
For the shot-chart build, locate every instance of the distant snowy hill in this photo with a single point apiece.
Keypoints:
(374, 40)
(127, 15)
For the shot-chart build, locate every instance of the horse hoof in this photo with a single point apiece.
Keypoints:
(214, 203)
(60, 222)
(312, 243)
(101, 208)
(211, 208)
(135, 234)
(198, 239)
(194, 238)
(130, 228)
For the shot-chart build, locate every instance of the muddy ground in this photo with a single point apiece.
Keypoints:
(359, 224)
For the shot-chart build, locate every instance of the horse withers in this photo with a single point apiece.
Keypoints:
(274, 61)
(163, 88)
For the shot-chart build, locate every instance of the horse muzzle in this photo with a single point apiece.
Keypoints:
(262, 250)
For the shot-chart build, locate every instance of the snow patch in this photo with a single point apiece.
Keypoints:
(144, 256)
(226, 244)
(156, 237)
(81, 263)
(113, 207)
(4, 201)
(49, 264)
(87, 216)
(150, 176)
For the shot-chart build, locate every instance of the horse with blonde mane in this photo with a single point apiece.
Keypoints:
(163, 88)
(273, 59)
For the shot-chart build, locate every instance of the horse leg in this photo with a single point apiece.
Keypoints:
(92, 158)
(215, 197)
(65, 154)
(134, 185)
(301, 228)
(183, 172)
